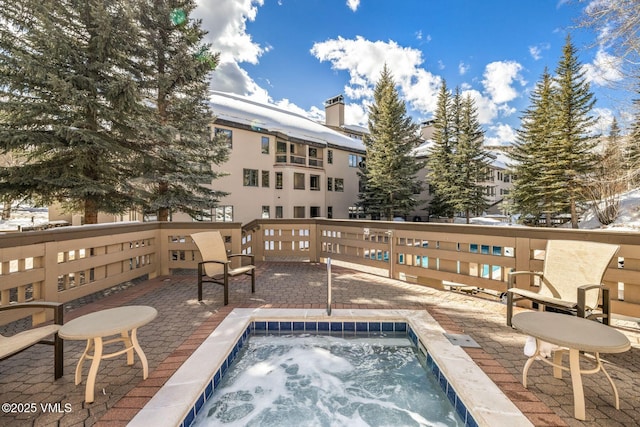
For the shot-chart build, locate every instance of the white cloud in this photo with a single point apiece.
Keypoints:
(353, 4)
(499, 78)
(226, 23)
(500, 134)
(463, 68)
(363, 60)
(604, 70)
(314, 113)
(602, 126)
(487, 109)
(356, 114)
(536, 51)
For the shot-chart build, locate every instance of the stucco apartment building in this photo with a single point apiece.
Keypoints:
(284, 165)
(281, 164)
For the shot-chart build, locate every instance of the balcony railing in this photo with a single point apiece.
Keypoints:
(67, 263)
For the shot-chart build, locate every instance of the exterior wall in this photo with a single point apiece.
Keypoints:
(247, 202)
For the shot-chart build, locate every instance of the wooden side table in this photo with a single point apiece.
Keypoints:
(93, 327)
(575, 334)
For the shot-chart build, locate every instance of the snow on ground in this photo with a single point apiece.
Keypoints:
(25, 216)
(628, 218)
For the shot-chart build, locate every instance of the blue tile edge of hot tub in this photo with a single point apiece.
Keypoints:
(329, 327)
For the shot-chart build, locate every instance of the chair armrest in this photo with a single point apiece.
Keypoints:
(214, 261)
(582, 290)
(57, 307)
(250, 256)
(512, 274)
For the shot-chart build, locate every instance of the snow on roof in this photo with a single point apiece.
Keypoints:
(498, 159)
(356, 128)
(501, 161)
(422, 150)
(243, 110)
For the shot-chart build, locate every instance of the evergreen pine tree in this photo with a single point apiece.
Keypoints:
(177, 173)
(574, 104)
(69, 99)
(440, 155)
(389, 176)
(539, 183)
(469, 161)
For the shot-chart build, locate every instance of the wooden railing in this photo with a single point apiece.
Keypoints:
(437, 254)
(67, 263)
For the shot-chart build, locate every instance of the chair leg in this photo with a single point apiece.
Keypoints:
(253, 281)
(509, 308)
(226, 286)
(199, 282)
(58, 344)
(605, 306)
(58, 356)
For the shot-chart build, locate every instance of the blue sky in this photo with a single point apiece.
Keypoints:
(298, 53)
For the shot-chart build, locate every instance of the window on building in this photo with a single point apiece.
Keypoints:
(250, 177)
(329, 184)
(279, 180)
(265, 178)
(279, 212)
(264, 145)
(223, 214)
(329, 212)
(355, 161)
(339, 184)
(314, 182)
(265, 212)
(330, 156)
(225, 135)
(281, 152)
(314, 160)
(356, 212)
(314, 211)
(298, 181)
(298, 211)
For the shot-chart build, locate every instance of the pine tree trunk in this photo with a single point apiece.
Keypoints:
(163, 212)
(574, 213)
(90, 212)
(6, 209)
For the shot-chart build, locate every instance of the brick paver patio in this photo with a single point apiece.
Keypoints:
(183, 323)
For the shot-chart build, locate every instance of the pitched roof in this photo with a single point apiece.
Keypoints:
(267, 117)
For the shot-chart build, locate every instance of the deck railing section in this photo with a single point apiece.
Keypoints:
(67, 263)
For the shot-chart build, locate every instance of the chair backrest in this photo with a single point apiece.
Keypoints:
(569, 264)
(211, 246)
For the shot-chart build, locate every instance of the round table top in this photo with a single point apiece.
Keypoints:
(108, 322)
(571, 332)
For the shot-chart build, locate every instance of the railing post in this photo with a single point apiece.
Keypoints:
(314, 249)
(523, 261)
(257, 242)
(328, 286)
(160, 256)
(391, 257)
